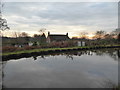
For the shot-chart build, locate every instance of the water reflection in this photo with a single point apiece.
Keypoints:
(113, 53)
(78, 69)
(42, 56)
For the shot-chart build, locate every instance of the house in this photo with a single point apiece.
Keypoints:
(17, 42)
(81, 43)
(57, 37)
(37, 40)
(43, 39)
(23, 41)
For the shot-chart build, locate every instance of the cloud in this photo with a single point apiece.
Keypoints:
(68, 16)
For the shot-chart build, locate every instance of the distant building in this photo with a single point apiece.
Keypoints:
(57, 37)
(17, 42)
(23, 41)
(39, 39)
(81, 43)
(43, 38)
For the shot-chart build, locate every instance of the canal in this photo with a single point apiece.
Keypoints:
(74, 69)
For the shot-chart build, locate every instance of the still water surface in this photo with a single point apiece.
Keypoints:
(79, 69)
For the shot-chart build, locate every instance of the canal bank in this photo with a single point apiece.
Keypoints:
(46, 51)
(96, 68)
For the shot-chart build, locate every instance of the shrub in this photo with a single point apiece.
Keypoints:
(61, 44)
(12, 48)
(30, 47)
(35, 44)
(9, 49)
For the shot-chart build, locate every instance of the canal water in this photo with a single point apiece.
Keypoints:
(78, 69)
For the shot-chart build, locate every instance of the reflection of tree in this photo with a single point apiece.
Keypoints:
(77, 53)
(35, 57)
(113, 53)
(69, 56)
(42, 56)
(118, 53)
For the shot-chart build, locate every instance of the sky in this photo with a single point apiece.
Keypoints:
(61, 17)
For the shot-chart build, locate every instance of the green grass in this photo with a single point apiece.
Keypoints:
(44, 49)
(37, 50)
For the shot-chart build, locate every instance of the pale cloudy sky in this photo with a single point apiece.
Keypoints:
(61, 17)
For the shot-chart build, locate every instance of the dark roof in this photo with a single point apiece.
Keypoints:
(40, 38)
(58, 37)
(43, 35)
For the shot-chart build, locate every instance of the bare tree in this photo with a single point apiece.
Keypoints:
(99, 34)
(42, 30)
(115, 33)
(24, 34)
(108, 36)
(21, 37)
(83, 35)
(36, 35)
(16, 34)
(3, 22)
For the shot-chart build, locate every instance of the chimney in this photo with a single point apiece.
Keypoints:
(67, 34)
(48, 33)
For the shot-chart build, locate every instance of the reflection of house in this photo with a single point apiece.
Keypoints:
(57, 37)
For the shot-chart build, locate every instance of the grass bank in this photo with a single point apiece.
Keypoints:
(24, 53)
(39, 50)
(54, 49)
